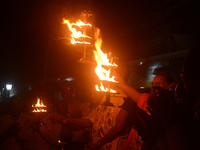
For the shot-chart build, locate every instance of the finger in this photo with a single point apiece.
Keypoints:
(153, 114)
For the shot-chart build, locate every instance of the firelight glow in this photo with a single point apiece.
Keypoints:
(104, 65)
(102, 60)
(77, 36)
(39, 106)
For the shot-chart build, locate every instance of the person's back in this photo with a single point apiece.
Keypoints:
(181, 123)
(191, 78)
(162, 80)
(8, 124)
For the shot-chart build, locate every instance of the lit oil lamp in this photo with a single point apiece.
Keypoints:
(39, 106)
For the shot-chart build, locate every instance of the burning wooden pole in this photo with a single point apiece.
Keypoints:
(85, 15)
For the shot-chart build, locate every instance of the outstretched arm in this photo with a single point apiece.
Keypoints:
(128, 90)
(73, 123)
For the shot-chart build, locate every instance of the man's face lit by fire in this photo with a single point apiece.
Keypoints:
(160, 81)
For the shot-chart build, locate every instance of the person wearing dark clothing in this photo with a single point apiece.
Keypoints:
(180, 120)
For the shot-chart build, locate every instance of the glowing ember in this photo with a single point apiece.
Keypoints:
(39, 107)
(77, 35)
(102, 60)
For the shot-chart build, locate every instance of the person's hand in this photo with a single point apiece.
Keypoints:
(172, 86)
(118, 77)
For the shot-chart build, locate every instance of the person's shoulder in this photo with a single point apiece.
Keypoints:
(143, 97)
(142, 102)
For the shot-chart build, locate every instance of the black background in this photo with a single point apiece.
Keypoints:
(32, 44)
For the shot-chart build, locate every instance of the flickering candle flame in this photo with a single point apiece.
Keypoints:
(77, 35)
(39, 106)
(102, 60)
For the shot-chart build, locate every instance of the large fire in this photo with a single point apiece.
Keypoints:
(39, 106)
(102, 62)
(78, 35)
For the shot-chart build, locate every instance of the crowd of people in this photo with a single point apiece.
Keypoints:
(81, 118)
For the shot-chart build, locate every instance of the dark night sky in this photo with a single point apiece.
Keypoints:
(32, 31)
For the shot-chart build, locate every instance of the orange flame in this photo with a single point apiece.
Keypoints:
(104, 89)
(39, 106)
(102, 60)
(76, 35)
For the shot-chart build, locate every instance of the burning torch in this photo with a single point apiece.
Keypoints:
(39, 108)
(78, 32)
(104, 64)
(104, 68)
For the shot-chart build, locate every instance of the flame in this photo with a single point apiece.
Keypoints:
(104, 65)
(102, 60)
(39, 110)
(77, 34)
(104, 89)
(39, 106)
